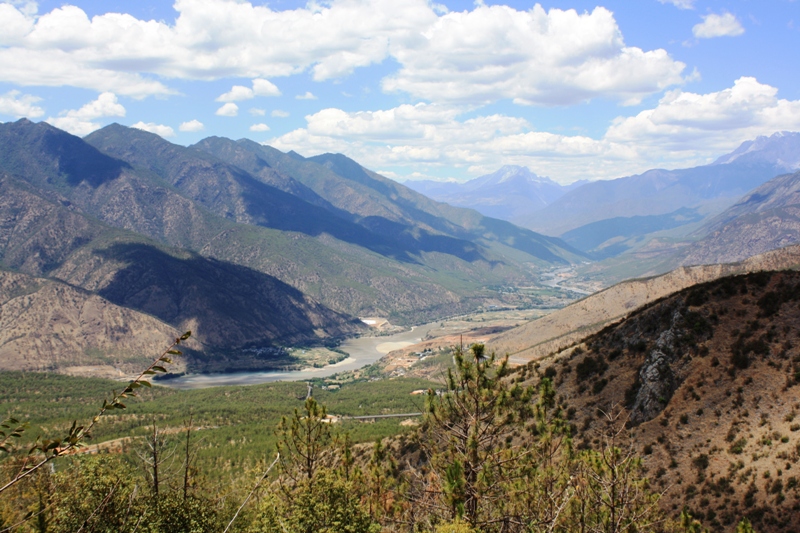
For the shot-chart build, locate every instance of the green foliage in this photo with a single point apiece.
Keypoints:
(10, 428)
(611, 492)
(326, 504)
(302, 441)
(172, 513)
(234, 424)
(49, 449)
(745, 527)
(311, 496)
(467, 435)
(490, 456)
(688, 524)
(456, 526)
(106, 502)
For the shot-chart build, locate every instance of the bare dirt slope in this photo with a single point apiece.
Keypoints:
(708, 380)
(566, 326)
(46, 325)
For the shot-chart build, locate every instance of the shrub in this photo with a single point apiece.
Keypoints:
(738, 446)
(701, 462)
(599, 385)
(589, 366)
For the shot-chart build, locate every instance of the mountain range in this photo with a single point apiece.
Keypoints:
(246, 245)
(765, 219)
(510, 193)
(607, 218)
(254, 248)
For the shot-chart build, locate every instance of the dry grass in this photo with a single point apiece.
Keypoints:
(727, 442)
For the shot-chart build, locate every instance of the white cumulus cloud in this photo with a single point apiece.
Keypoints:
(20, 105)
(81, 121)
(237, 93)
(682, 122)
(265, 88)
(685, 129)
(724, 25)
(487, 54)
(530, 57)
(306, 96)
(240, 92)
(279, 113)
(192, 125)
(159, 129)
(680, 4)
(259, 127)
(431, 135)
(228, 110)
(257, 112)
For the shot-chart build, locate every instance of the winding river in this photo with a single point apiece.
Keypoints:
(363, 351)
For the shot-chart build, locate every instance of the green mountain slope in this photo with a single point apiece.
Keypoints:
(268, 222)
(390, 208)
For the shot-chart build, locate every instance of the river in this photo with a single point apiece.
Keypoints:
(363, 351)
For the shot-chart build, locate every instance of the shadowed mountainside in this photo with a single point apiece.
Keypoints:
(191, 200)
(385, 206)
(46, 325)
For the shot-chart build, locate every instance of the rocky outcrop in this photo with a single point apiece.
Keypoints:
(657, 381)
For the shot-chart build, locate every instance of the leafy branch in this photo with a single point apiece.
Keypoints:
(52, 449)
(7, 433)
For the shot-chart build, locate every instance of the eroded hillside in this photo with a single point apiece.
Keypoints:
(50, 326)
(708, 380)
(566, 326)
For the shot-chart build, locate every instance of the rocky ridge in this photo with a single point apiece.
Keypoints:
(569, 325)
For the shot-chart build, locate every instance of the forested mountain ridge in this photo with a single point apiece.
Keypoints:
(385, 206)
(81, 217)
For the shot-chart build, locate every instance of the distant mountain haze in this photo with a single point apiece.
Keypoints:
(607, 218)
(709, 189)
(613, 236)
(510, 193)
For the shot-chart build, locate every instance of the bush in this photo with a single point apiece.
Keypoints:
(589, 366)
(701, 462)
(738, 446)
(599, 385)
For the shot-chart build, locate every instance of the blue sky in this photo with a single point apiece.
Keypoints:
(417, 89)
